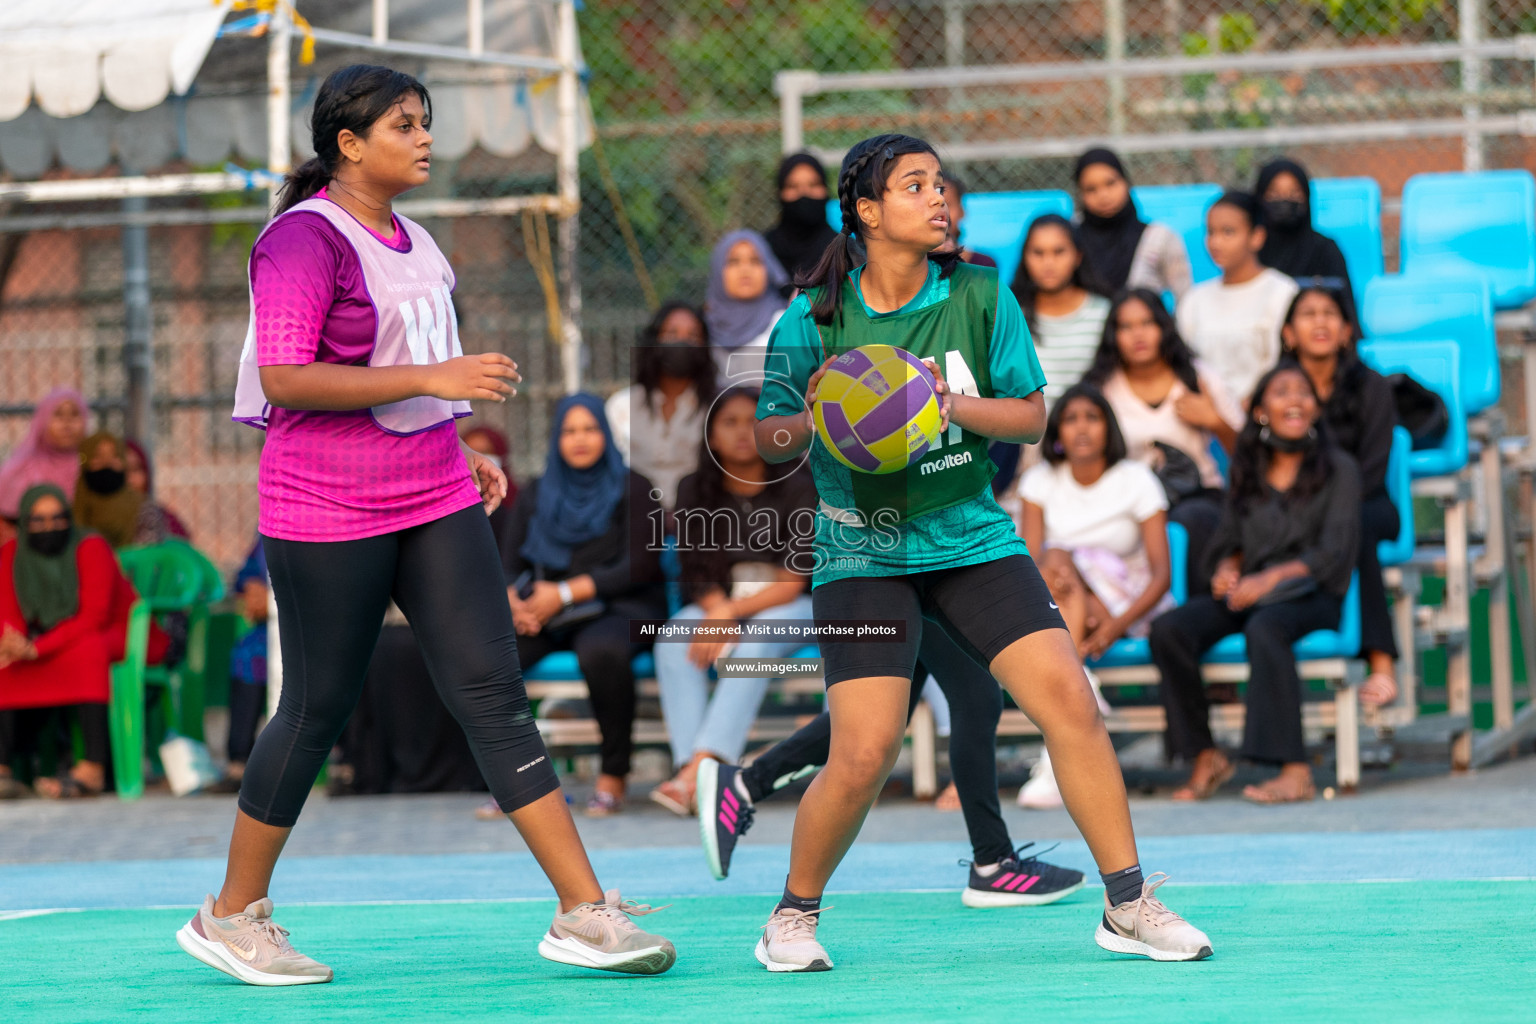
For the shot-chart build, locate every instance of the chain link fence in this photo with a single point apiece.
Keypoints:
(689, 131)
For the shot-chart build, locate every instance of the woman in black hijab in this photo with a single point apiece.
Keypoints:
(1119, 248)
(802, 233)
(1292, 246)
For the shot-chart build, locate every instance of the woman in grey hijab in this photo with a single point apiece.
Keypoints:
(744, 298)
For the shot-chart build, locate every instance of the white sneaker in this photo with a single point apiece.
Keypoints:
(1040, 792)
(789, 942)
(1145, 927)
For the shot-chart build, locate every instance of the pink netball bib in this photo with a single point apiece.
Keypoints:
(413, 303)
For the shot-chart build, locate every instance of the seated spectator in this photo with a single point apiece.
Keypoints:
(64, 607)
(744, 300)
(1122, 250)
(1291, 245)
(744, 545)
(579, 567)
(658, 420)
(954, 202)
(1097, 523)
(156, 522)
(1170, 410)
(1233, 322)
(1063, 306)
(802, 233)
(49, 454)
(103, 500)
(1359, 410)
(1280, 567)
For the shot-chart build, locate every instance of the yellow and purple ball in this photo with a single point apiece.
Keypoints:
(877, 409)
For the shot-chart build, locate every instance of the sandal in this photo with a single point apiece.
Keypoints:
(949, 800)
(489, 811)
(676, 796)
(11, 789)
(603, 804)
(1271, 793)
(63, 787)
(1376, 684)
(1217, 772)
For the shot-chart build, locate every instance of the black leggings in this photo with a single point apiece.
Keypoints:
(975, 705)
(331, 598)
(603, 650)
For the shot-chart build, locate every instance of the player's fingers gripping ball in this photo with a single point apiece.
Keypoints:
(877, 409)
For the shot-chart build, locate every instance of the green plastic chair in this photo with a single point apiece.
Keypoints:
(125, 710)
(176, 577)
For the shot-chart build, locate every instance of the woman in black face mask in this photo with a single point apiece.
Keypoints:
(1281, 560)
(103, 500)
(64, 608)
(1292, 246)
(657, 421)
(802, 233)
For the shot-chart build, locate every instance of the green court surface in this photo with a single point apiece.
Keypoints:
(1336, 952)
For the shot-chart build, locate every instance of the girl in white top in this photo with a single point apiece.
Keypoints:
(658, 420)
(1061, 302)
(1161, 395)
(1233, 322)
(1100, 520)
(1170, 409)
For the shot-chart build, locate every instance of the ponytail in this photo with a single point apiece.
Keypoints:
(863, 176)
(302, 182)
(351, 99)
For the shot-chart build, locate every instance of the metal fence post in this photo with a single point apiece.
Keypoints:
(1469, 32)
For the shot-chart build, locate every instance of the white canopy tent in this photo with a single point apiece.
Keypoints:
(89, 85)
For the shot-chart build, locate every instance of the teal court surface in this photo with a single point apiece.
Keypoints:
(1325, 924)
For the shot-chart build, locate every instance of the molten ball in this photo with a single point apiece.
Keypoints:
(877, 409)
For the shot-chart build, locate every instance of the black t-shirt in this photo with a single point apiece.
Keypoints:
(776, 525)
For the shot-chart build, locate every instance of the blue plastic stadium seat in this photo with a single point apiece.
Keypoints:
(1436, 365)
(1449, 307)
(1182, 208)
(1343, 642)
(561, 667)
(1135, 650)
(1485, 222)
(1397, 550)
(1348, 210)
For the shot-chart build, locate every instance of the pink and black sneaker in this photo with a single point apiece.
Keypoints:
(1020, 882)
(725, 814)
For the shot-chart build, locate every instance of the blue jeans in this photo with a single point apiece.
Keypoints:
(718, 723)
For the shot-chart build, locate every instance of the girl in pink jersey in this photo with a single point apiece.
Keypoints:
(353, 365)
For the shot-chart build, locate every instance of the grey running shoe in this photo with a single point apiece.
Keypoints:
(789, 942)
(602, 936)
(249, 946)
(1145, 927)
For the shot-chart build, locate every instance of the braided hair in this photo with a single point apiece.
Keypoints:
(863, 176)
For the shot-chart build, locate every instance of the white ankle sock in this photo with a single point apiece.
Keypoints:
(988, 870)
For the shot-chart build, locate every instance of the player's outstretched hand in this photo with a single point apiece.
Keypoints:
(942, 390)
(489, 376)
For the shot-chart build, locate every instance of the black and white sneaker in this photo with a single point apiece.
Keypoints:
(724, 814)
(1021, 882)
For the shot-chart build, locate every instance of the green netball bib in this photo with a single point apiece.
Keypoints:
(955, 333)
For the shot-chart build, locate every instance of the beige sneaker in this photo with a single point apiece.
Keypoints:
(602, 936)
(1145, 927)
(789, 942)
(249, 946)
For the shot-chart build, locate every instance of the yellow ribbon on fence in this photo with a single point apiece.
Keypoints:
(307, 51)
